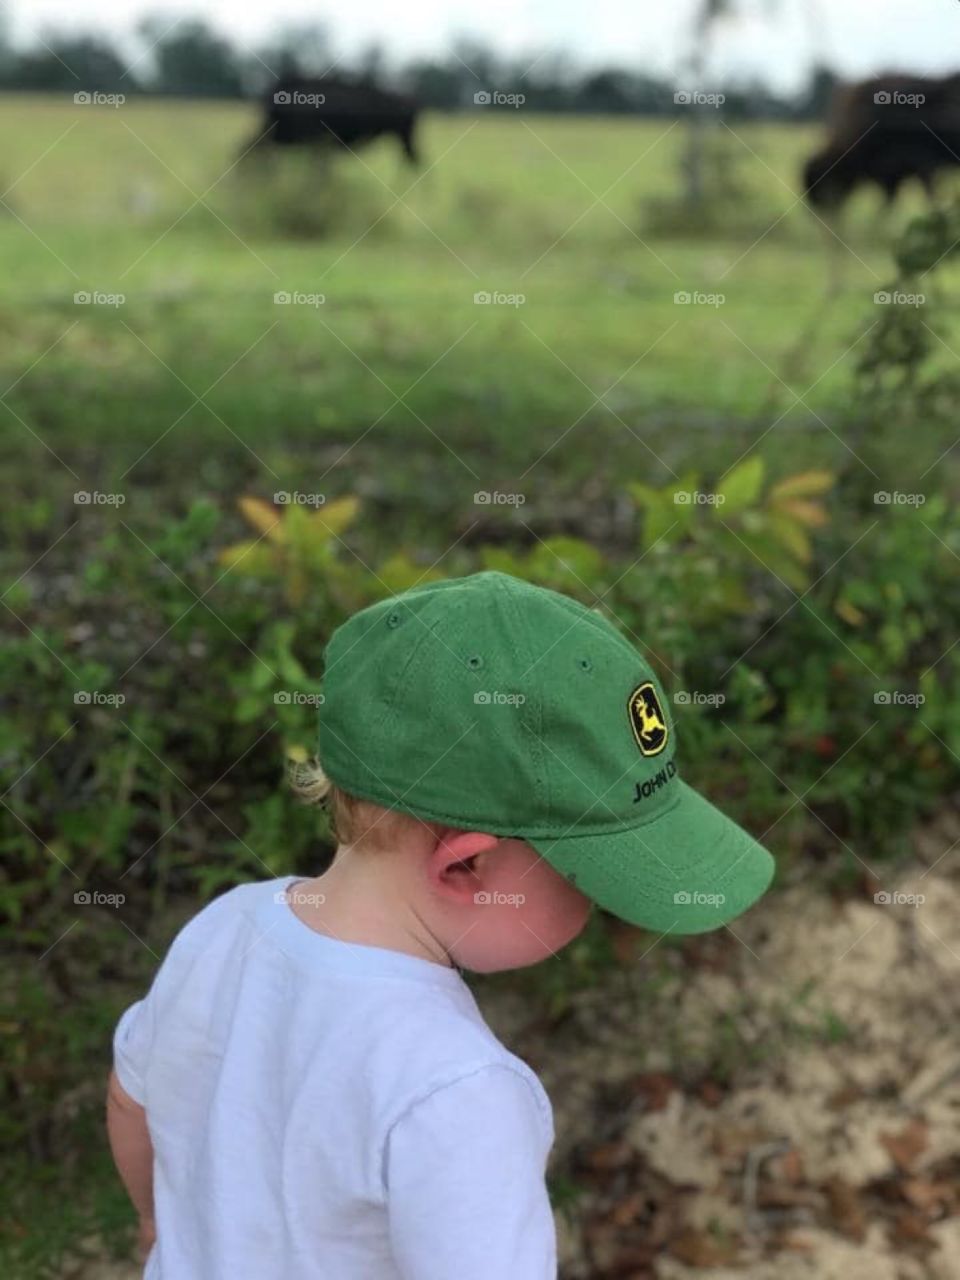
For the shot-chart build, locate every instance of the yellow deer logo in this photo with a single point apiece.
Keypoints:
(647, 720)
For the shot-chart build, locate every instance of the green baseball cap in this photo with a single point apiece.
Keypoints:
(489, 704)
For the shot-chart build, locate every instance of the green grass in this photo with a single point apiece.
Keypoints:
(399, 373)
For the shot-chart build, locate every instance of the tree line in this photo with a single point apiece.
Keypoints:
(192, 59)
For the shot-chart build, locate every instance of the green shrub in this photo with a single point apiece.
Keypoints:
(303, 194)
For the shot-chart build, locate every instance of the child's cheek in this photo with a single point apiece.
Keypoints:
(554, 910)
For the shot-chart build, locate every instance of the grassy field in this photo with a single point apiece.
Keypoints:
(598, 372)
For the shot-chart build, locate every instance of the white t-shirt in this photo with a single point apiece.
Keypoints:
(321, 1110)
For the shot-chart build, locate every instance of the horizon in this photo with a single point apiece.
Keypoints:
(775, 44)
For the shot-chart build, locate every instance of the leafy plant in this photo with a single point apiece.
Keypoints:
(755, 528)
(297, 546)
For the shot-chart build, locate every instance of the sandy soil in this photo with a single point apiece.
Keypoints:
(779, 1100)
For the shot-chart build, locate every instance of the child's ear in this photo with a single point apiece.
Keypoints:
(452, 866)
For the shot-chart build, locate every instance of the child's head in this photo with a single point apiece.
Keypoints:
(490, 903)
(508, 755)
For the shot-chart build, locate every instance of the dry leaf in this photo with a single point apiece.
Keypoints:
(710, 1093)
(907, 1145)
(788, 1167)
(609, 1155)
(700, 1249)
(931, 1197)
(910, 1228)
(655, 1087)
(628, 1210)
(846, 1208)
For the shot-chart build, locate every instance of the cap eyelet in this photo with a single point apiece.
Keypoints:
(394, 619)
(584, 664)
(475, 662)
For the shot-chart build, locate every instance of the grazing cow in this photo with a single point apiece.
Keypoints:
(882, 132)
(301, 111)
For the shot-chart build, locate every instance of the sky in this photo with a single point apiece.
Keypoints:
(773, 40)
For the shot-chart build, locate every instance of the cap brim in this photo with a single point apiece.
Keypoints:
(687, 871)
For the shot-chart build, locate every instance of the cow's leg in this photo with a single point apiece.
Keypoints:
(928, 180)
(879, 226)
(890, 186)
(406, 141)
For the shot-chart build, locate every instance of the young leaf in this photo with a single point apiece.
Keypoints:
(741, 486)
(247, 557)
(398, 573)
(812, 514)
(502, 559)
(792, 535)
(665, 520)
(335, 516)
(804, 484)
(849, 612)
(264, 517)
(566, 555)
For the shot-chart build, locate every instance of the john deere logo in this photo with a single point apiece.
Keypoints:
(647, 720)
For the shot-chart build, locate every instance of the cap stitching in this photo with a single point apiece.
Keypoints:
(428, 629)
(540, 771)
(497, 826)
(390, 704)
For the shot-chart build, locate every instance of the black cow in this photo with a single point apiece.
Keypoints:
(301, 111)
(882, 132)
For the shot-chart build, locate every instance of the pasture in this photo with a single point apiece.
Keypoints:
(398, 361)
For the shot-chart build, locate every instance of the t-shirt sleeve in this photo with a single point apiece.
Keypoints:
(131, 1047)
(466, 1193)
(134, 1035)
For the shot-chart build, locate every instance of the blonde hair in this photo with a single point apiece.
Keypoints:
(360, 823)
